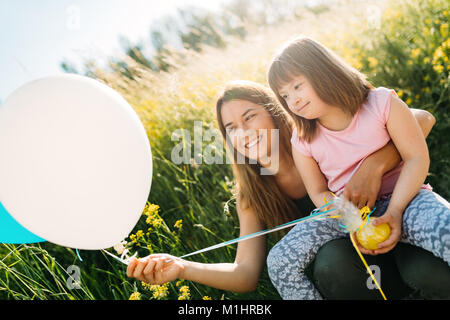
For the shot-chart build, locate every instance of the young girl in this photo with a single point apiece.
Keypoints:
(341, 119)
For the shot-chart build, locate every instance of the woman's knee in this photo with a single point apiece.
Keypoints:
(333, 267)
(423, 271)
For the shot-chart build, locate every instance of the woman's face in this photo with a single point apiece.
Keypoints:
(248, 126)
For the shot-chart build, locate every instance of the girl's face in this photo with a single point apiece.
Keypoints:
(248, 127)
(302, 100)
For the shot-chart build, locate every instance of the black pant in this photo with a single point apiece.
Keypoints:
(406, 271)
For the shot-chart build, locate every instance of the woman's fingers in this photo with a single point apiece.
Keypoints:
(151, 268)
(362, 201)
(142, 263)
(371, 202)
(159, 264)
(131, 266)
(148, 271)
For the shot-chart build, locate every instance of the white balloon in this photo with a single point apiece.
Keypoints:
(75, 161)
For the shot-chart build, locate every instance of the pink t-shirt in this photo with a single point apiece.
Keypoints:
(340, 153)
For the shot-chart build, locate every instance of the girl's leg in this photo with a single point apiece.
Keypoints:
(421, 270)
(426, 224)
(288, 259)
(339, 273)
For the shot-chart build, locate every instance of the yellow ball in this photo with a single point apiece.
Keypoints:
(369, 236)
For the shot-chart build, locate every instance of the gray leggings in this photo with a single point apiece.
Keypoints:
(426, 224)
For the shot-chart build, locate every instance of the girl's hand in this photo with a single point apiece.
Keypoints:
(156, 269)
(394, 220)
(360, 247)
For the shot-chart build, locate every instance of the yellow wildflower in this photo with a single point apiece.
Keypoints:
(207, 298)
(184, 293)
(136, 237)
(155, 222)
(139, 234)
(153, 218)
(179, 283)
(178, 224)
(161, 291)
(415, 53)
(135, 296)
(438, 68)
(372, 62)
(446, 44)
(151, 209)
(437, 54)
(444, 29)
(408, 101)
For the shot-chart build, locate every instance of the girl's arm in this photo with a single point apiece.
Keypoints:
(363, 187)
(240, 276)
(410, 143)
(312, 177)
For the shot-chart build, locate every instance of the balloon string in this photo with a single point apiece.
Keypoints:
(78, 255)
(315, 214)
(125, 259)
(259, 233)
(367, 267)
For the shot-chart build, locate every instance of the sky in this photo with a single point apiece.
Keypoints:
(36, 36)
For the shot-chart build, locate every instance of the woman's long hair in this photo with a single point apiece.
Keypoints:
(260, 192)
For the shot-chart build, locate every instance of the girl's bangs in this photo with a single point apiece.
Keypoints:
(281, 73)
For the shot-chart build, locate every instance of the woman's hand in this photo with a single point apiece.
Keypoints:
(363, 187)
(156, 269)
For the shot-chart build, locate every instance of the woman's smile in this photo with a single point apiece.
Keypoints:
(253, 142)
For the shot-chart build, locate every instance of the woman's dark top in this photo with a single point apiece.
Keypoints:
(304, 205)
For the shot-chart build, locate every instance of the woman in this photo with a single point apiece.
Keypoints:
(244, 109)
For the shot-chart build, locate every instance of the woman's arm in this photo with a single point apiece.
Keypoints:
(244, 273)
(240, 276)
(363, 187)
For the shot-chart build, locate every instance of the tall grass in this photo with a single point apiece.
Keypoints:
(190, 205)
